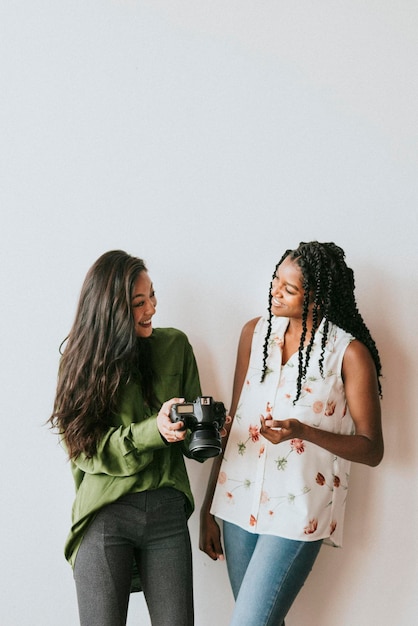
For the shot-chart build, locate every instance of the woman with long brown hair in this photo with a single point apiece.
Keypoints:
(118, 378)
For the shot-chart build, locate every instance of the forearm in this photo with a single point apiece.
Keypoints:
(210, 534)
(357, 448)
(124, 451)
(241, 367)
(210, 490)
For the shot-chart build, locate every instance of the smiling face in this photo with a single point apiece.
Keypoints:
(144, 304)
(287, 291)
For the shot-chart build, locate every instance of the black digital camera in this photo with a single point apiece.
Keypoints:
(205, 418)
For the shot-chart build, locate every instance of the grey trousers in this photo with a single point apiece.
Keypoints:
(149, 528)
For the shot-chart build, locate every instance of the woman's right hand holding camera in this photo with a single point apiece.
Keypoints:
(170, 431)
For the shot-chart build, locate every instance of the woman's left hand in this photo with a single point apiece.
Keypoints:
(276, 431)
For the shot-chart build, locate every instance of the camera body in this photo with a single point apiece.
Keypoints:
(205, 418)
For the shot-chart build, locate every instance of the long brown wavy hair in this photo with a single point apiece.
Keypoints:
(100, 354)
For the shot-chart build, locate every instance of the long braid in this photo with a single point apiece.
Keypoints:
(269, 319)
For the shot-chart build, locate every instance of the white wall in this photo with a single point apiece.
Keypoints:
(206, 137)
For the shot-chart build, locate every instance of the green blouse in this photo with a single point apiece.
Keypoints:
(132, 456)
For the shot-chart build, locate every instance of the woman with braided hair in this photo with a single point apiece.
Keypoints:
(305, 404)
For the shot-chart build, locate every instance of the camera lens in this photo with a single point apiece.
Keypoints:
(205, 443)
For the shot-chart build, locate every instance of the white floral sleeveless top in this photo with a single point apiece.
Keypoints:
(294, 489)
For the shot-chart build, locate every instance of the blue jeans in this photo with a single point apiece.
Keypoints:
(149, 528)
(266, 574)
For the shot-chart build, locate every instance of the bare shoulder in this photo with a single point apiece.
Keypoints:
(250, 325)
(247, 333)
(248, 330)
(357, 354)
(358, 365)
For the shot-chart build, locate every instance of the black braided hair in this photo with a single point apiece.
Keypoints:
(329, 284)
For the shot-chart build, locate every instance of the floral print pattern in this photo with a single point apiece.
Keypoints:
(293, 489)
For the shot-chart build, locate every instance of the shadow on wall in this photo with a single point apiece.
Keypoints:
(378, 302)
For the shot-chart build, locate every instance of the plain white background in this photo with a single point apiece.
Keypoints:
(206, 137)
